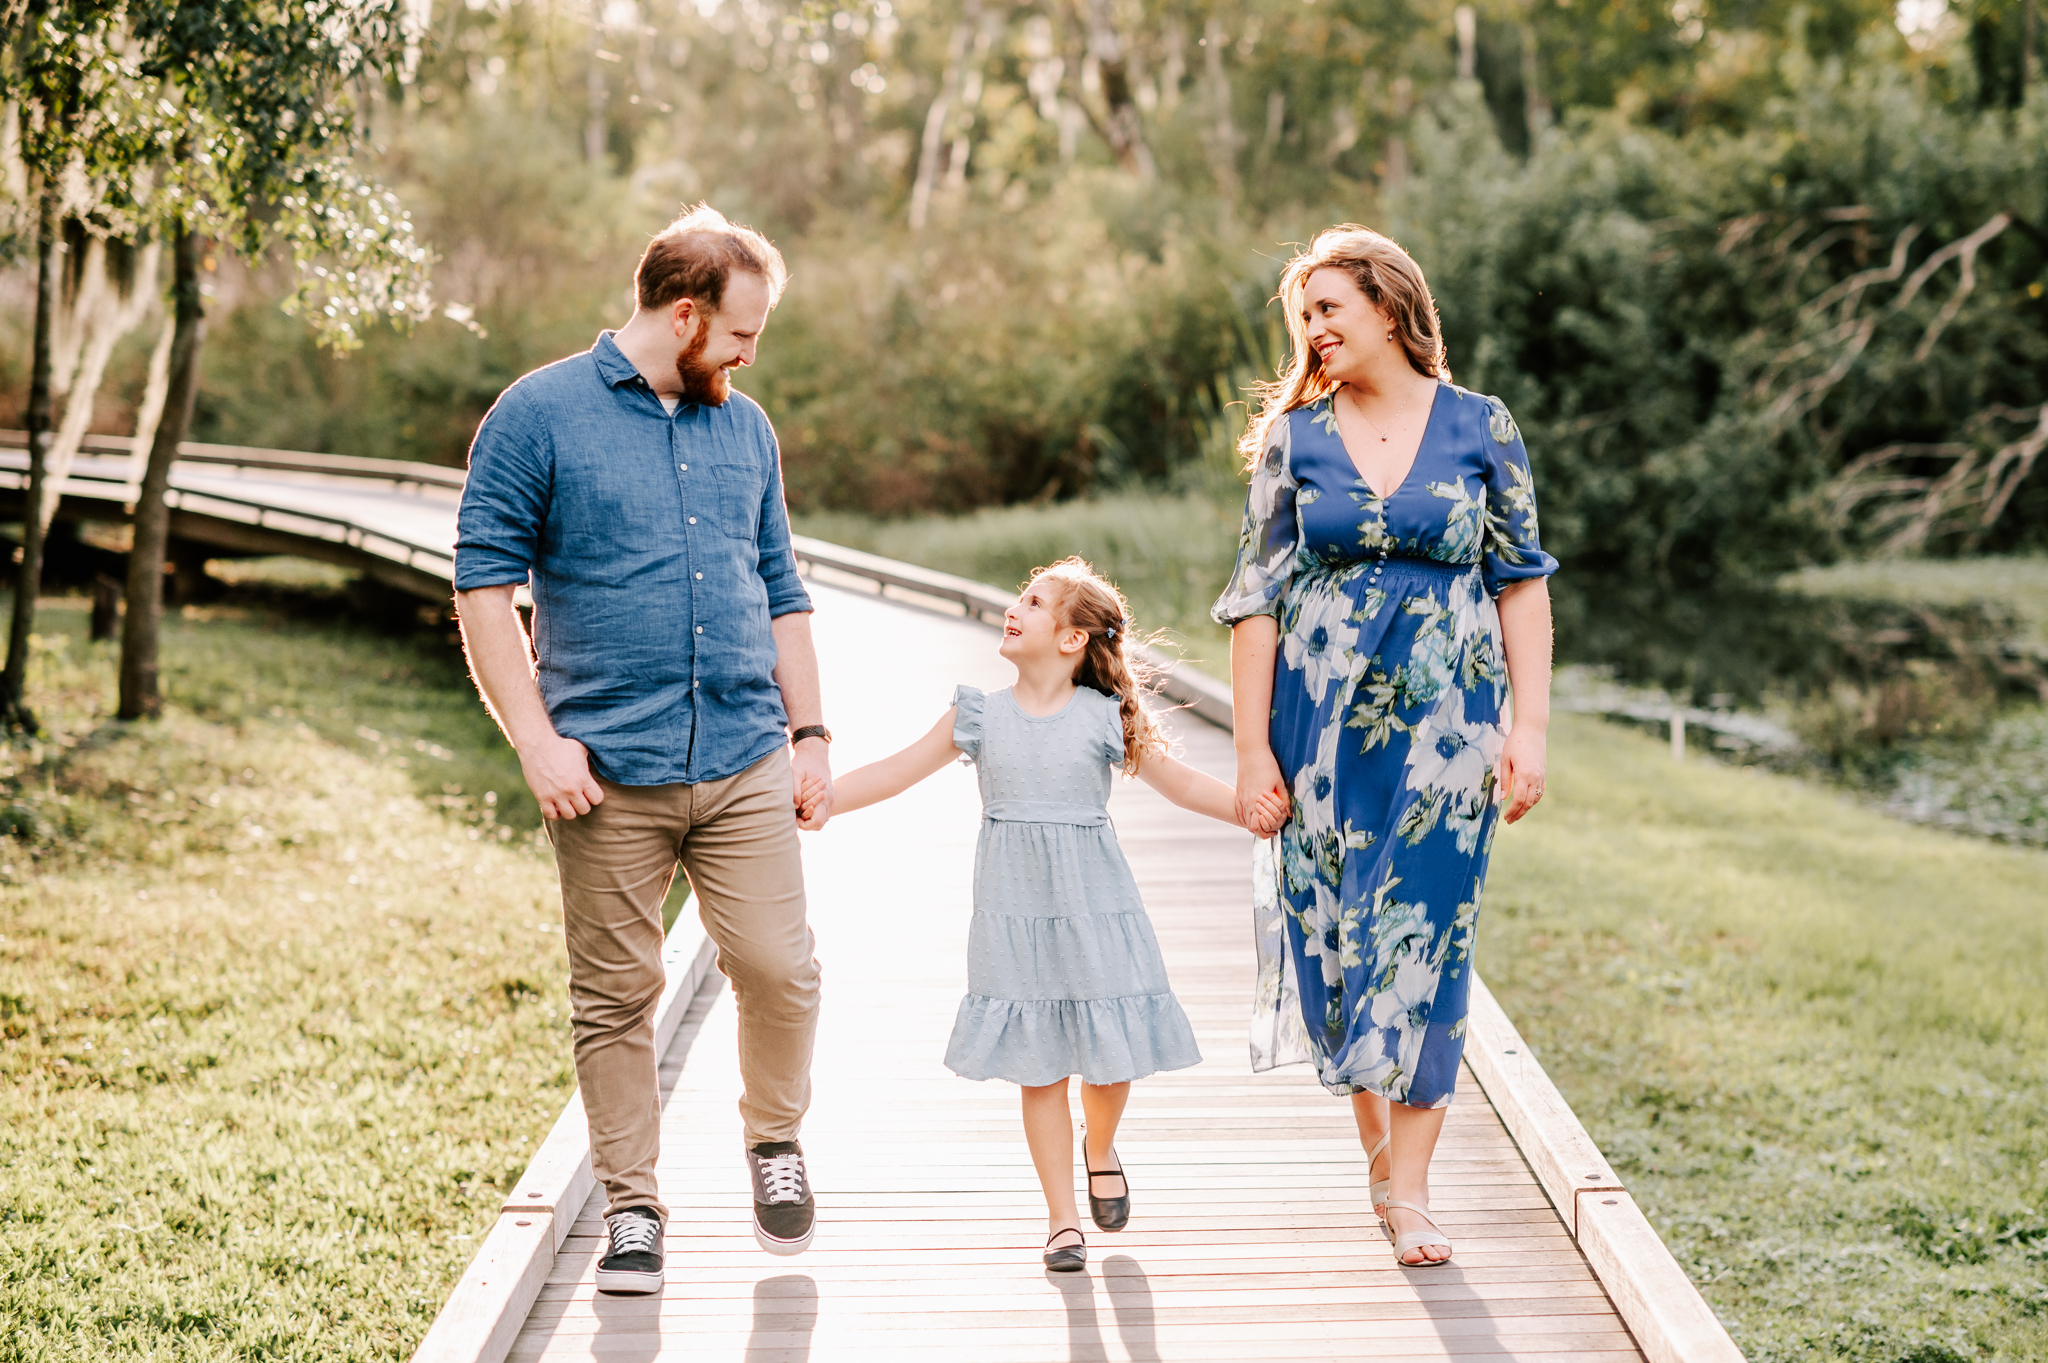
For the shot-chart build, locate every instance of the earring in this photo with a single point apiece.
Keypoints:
(1390, 334)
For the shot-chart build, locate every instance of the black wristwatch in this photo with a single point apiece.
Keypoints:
(810, 731)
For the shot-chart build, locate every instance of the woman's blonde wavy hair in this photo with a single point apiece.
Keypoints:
(1111, 663)
(1386, 275)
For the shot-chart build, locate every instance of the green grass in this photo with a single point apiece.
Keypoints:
(282, 996)
(1813, 1039)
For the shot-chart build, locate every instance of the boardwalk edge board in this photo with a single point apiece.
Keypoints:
(483, 1315)
(1671, 1321)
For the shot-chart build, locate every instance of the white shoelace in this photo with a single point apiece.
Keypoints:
(633, 1234)
(782, 1178)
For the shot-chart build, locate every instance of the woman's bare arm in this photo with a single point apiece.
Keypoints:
(1525, 637)
(1254, 644)
(878, 781)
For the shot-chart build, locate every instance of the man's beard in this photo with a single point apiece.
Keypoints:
(706, 384)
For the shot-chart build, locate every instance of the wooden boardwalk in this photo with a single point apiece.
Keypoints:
(1251, 1238)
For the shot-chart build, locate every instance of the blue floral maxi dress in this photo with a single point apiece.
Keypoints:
(1389, 695)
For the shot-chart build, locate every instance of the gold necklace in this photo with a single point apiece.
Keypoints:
(1359, 408)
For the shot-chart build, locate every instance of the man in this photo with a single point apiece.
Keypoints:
(671, 655)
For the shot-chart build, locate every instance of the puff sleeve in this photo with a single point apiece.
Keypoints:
(968, 707)
(1511, 552)
(1112, 731)
(1271, 534)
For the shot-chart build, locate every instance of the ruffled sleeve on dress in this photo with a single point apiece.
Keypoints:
(1266, 545)
(1512, 550)
(1113, 731)
(968, 706)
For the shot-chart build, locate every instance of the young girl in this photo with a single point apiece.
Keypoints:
(1064, 976)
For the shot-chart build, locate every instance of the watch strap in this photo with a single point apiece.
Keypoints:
(810, 731)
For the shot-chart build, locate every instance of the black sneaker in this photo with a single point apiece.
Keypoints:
(785, 1216)
(632, 1262)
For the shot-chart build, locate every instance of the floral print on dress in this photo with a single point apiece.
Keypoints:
(1389, 705)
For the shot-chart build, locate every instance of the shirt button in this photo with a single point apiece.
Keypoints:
(684, 467)
(700, 577)
(700, 629)
(693, 520)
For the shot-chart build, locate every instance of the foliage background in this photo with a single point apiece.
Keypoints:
(1627, 210)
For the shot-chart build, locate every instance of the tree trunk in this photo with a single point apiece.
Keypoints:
(1121, 127)
(139, 696)
(935, 126)
(29, 580)
(109, 312)
(152, 409)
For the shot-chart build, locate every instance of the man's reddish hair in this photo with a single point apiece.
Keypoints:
(695, 255)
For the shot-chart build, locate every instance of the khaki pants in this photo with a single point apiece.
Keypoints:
(736, 840)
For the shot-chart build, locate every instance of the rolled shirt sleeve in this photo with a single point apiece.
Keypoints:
(786, 594)
(505, 499)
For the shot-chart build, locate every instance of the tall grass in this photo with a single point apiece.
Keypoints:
(282, 996)
(1810, 1038)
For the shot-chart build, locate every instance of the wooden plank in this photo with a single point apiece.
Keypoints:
(1663, 1308)
(482, 1316)
(1566, 1159)
(1253, 1239)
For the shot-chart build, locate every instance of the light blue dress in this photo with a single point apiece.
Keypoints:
(1064, 975)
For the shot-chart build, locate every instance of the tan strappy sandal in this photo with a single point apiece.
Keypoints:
(1380, 1186)
(1416, 1239)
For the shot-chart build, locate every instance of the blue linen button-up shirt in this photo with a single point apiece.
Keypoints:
(658, 549)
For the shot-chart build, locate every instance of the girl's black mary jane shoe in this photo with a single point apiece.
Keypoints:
(1070, 1258)
(1110, 1213)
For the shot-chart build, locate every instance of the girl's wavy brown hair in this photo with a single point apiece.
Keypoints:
(1389, 277)
(1111, 663)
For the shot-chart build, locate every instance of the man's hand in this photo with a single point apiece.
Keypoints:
(557, 771)
(810, 764)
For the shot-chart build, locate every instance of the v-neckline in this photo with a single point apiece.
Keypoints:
(1416, 458)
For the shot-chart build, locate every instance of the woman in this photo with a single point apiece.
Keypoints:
(1389, 591)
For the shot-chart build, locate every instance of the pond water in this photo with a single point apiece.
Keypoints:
(1930, 700)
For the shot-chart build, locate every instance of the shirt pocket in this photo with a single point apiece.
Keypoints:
(736, 494)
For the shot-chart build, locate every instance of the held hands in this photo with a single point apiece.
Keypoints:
(1263, 804)
(1519, 777)
(1269, 814)
(811, 777)
(557, 771)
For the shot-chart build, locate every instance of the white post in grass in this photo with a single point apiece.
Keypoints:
(1677, 734)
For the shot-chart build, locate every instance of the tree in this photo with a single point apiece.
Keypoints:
(66, 76)
(252, 135)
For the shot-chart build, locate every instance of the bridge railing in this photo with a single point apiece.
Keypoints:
(399, 471)
(1205, 696)
(107, 471)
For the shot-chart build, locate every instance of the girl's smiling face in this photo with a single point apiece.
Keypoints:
(1033, 631)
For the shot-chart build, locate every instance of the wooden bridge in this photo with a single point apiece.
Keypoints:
(1252, 1237)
